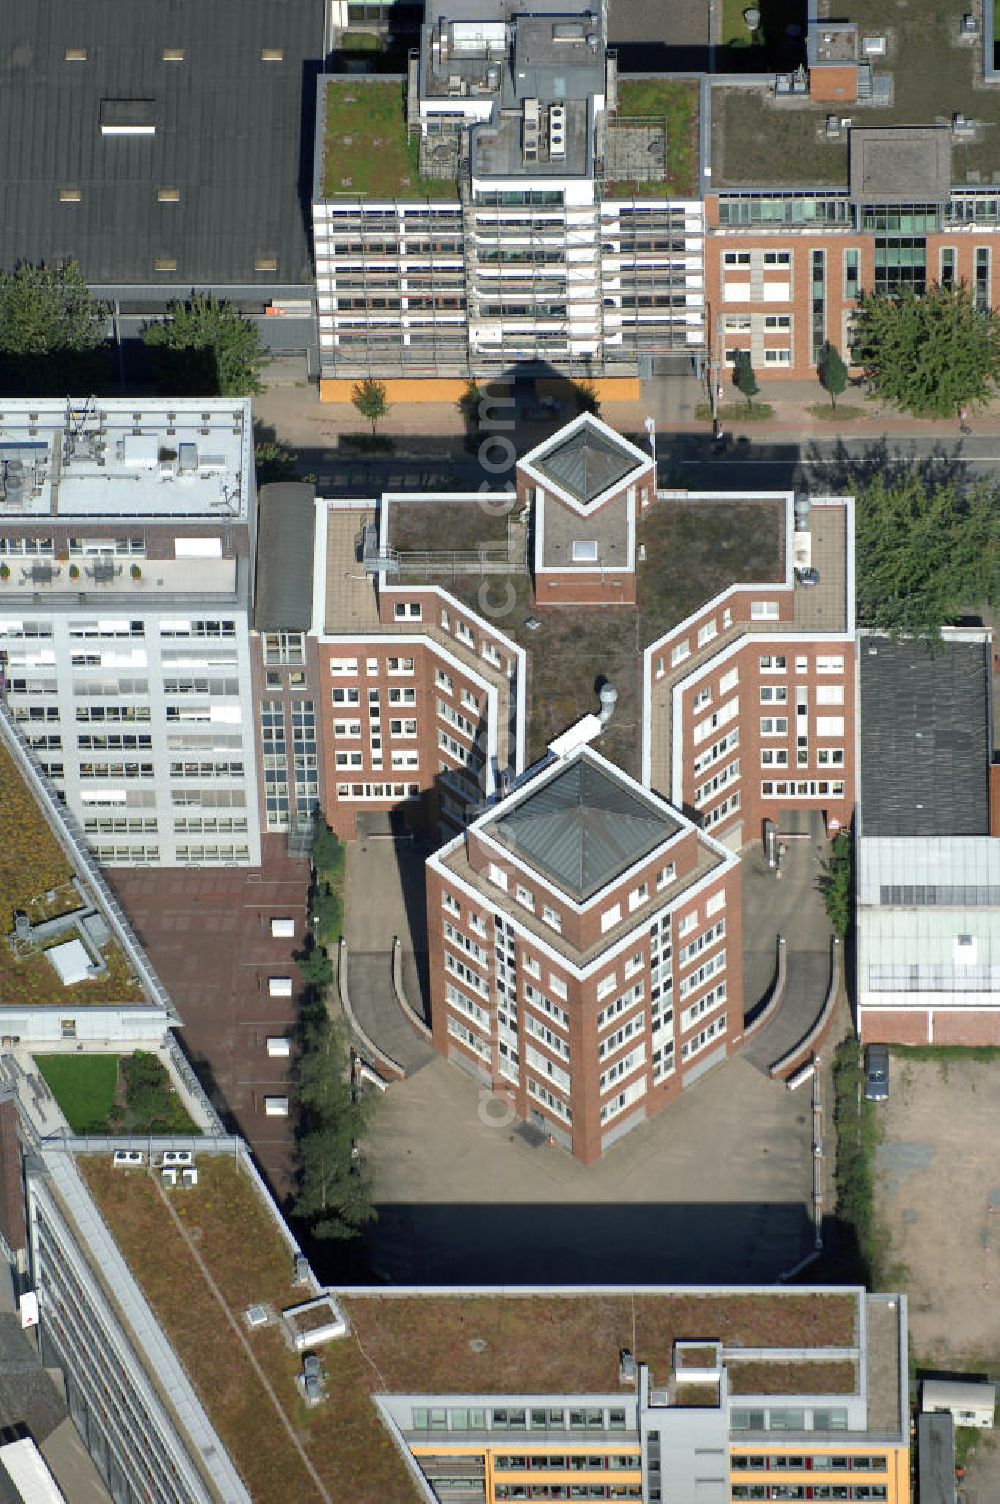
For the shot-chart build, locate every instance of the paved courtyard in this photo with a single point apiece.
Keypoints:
(715, 1188)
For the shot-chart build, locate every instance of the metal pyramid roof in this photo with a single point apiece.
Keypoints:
(586, 464)
(583, 828)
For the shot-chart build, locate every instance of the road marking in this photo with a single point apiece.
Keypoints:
(941, 459)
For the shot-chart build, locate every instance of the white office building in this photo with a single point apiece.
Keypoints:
(126, 566)
(531, 218)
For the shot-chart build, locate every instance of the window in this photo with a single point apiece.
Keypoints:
(736, 258)
(407, 610)
(75, 54)
(168, 195)
(774, 694)
(679, 653)
(172, 55)
(946, 275)
(777, 258)
(763, 610)
(610, 918)
(774, 757)
(584, 551)
(342, 696)
(272, 54)
(829, 665)
(343, 665)
(707, 632)
(818, 303)
(774, 725)
(773, 663)
(638, 897)
(982, 283)
(281, 647)
(773, 357)
(852, 275)
(552, 918)
(70, 195)
(524, 897)
(665, 877)
(829, 725)
(829, 694)
(687, 924)
(729, 681)
(165, 264)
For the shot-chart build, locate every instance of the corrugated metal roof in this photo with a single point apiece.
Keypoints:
(924, 738)
(583, 828)
(286, 527)
(229, 135)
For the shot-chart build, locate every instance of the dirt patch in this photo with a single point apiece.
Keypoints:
(938, 1202)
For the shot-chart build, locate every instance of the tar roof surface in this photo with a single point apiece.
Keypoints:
(583, 828)
(758, 144)
(924, 739)
(229, 136)
(285, 537)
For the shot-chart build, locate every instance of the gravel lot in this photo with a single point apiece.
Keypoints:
(938, 1199)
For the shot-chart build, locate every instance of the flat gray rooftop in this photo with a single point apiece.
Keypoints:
(924, 738)
(900, 164)
(285, 537)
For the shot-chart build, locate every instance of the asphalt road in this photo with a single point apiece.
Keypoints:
(689, 460)
(818, 466)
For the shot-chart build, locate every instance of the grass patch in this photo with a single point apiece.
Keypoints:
(735, 412)
(366, 143)
(360, 41)
(858, 1134)
(444, 526)
(677, 103)
(112, 1094)
(85, 1087)
(827, 414)
(792, 1378)
(956, 1053)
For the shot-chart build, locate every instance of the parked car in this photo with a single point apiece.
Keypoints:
(877, 1072)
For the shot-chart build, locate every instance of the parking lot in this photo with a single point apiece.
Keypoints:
(938, 1200)
(715, 1188)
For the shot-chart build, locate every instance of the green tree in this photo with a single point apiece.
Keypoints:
(832, 372)
(274, 462)
(925, 553)
(334, 1192)
(930, 354)
(52, 331)
(836, 883)
(369, 397)
(744, 379)
(587, 400)
(327, 849)
(205, 348)
(315, 967)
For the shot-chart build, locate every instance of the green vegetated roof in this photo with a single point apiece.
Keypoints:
(367, 152)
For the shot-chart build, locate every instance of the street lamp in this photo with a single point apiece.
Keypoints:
(651, 430)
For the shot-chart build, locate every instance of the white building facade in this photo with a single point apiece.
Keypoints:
(126, 568)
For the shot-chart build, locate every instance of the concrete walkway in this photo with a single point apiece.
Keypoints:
(793, 907)
(384, 898)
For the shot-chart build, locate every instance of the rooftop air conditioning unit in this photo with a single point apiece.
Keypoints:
(874, 46)
(168, 1176)
(557, 131)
